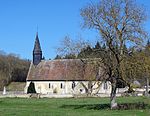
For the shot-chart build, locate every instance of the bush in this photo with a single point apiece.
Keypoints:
(31, 88)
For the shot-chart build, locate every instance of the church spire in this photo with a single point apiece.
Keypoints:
(37, 46)
(37, 52)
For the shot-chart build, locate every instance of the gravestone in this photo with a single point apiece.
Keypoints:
(4, 91)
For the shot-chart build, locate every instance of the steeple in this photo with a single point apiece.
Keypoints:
(37, 52)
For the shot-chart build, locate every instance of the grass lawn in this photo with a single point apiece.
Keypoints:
(69, 107)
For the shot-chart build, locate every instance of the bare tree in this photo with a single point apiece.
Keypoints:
(119, 22)
(91, 66)
(94, 72)
(69, 46)
(12, 68)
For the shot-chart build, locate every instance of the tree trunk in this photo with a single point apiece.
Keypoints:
(86, 88)
(113, 103)
(147, 87)
(90, 88)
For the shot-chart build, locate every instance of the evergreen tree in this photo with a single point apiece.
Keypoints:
(57, 57)
(97, 46)
(70, 56)
(31, 88)
(148, 43)
(86, 52)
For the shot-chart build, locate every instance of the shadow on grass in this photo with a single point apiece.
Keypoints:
(123, 106)
(88, 106)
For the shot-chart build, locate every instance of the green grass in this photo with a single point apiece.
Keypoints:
(69, 107)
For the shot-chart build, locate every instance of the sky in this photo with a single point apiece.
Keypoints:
(53, 19)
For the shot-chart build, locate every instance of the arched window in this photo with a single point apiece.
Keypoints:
(61, 85)
(73, 85)
(49, 85)
(105, 86)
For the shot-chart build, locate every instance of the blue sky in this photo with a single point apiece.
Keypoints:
(55, 19)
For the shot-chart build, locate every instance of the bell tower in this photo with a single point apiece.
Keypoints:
(37, 52)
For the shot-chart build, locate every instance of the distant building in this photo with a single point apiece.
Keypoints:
(63, 76)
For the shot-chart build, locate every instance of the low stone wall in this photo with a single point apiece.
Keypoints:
(18, 94)
(12, 92)
(21, 94)
(52, 95)
(15, 96)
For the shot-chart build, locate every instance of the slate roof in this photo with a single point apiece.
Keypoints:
(37, 46)
(63, 69)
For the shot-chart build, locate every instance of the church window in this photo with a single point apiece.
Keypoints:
(61, 85)
(73, 85)
(105, 86)
(49, 85)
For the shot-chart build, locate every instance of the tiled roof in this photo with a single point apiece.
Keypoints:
(63, 69)
(37, 47)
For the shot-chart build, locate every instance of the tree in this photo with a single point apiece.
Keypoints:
(86, 52)
(70, 56)
(71, 48)
(119, 22)
(138, 65)
(97, 46)
(31, 88)
(91, 66)
(57, 57)
(12, 68)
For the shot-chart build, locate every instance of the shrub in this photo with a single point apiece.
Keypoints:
(31, 88)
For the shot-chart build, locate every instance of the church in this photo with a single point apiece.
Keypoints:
(63, 76)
